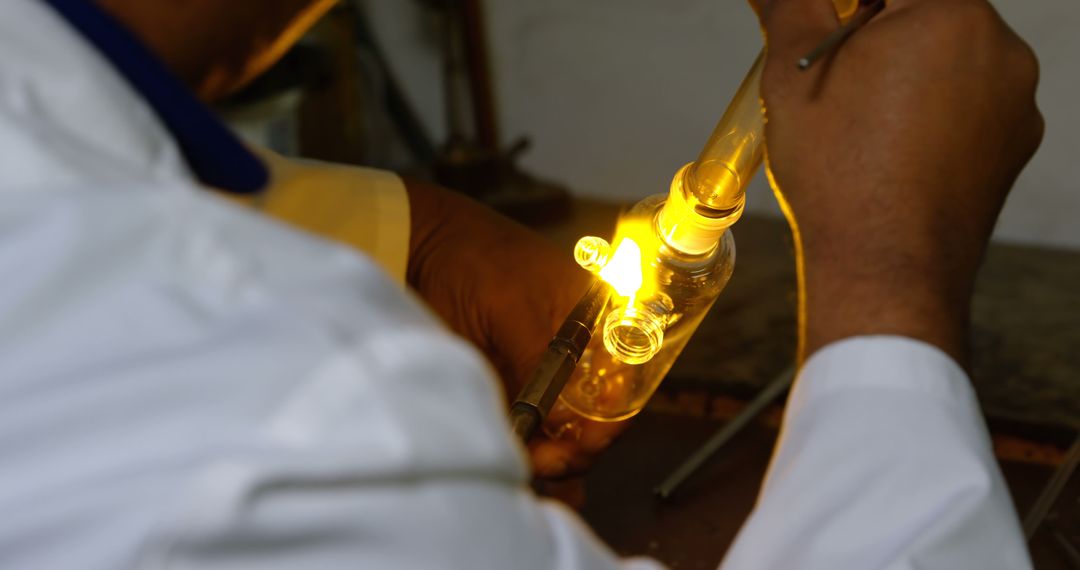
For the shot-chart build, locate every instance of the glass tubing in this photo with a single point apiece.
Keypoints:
(708, 195)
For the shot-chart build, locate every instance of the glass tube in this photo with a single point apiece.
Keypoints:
(708, 195)
(644, 334)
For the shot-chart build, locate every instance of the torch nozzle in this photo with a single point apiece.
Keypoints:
(558, 362)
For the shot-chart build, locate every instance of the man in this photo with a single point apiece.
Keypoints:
(189, 384)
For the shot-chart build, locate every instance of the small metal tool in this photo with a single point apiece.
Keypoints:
(767, 395)
(870, 9)
(559, 361)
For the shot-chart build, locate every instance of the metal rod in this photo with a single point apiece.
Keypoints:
(558, 362)
(721, 437)
(1067, 549)
(1050, 492)
(836, 38)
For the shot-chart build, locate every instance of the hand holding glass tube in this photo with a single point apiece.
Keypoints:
(684, 257)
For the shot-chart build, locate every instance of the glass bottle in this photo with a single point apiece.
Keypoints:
(643, 334)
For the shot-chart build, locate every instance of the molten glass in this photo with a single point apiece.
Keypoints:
(623, 272)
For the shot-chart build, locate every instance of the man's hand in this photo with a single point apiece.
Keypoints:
(504, 288)
(893, 157)
(493, 281)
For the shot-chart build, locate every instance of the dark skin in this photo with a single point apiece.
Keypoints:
(891, 165)
(916, 160)
(506, 289)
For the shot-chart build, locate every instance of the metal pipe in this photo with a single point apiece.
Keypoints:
(836, 38)
(776, 387)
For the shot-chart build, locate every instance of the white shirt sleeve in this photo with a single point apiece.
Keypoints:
(884, 463)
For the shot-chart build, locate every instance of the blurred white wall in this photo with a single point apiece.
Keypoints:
(617, 94)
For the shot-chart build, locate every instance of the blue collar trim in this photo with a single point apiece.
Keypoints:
(212, 151)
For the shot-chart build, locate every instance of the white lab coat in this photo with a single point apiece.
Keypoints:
(187, 384)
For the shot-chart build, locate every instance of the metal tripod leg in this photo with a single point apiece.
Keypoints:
(766, 397)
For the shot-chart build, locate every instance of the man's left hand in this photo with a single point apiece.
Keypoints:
(504, 288)
(493, 281)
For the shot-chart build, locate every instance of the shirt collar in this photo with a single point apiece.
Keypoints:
(211, 150)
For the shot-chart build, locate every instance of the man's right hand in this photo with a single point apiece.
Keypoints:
(892, 159)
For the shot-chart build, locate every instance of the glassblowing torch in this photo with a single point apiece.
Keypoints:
(559, 361)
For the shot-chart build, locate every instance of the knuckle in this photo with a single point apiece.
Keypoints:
(1038, 128)
(772, 79)
(795, 26)
(959, 18)
(1028, 136)
(972, 14)
(1026, 64)
(776, 81)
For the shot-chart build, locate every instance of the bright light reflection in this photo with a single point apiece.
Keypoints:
(623, 272)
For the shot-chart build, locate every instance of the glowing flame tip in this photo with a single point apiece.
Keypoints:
(623, 272)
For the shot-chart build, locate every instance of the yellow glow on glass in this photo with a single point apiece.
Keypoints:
(592, 253)
(623, 272)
